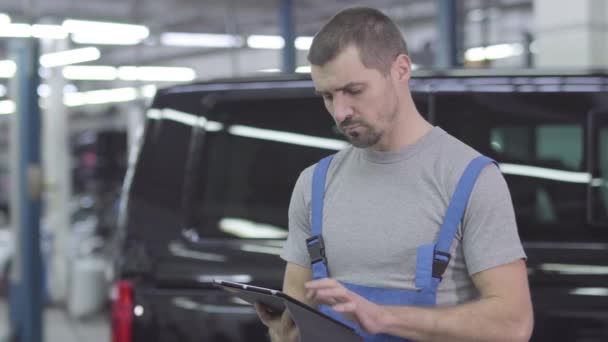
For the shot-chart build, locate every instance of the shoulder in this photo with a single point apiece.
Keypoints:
(338, 159)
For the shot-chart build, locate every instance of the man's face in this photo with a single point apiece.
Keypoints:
(362, 101)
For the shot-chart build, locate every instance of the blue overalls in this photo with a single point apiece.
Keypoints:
(431, 260)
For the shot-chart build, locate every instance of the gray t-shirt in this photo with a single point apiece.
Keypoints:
(380, 206)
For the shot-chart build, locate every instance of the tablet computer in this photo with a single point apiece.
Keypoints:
(252, 294)
(310, 321)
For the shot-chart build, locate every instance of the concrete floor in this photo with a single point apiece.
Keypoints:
(60, 327)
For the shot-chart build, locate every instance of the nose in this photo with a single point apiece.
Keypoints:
(342, 108)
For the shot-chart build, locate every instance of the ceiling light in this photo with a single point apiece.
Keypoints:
(110, 95)
(100, 96)
(105, 40)
(159, 74)
(7, 107)
(3, 90)
(16, 30)
(96, 32)
(4, 19)
(69, 57)
(265, 42)
(49, 31)
(90, 72)
(303, 43)
(270, 70)
(7, 69)
(44, 90)
(200, 40)
(491, 52)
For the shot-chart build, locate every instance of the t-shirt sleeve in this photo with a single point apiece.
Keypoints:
(489, 235)
(294, 249)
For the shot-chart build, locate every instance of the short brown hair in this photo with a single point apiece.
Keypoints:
(375, 35)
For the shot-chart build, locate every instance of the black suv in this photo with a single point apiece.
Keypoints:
(207, 191)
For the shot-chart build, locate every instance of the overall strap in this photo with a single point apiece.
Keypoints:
(316, 248)
(455, 213)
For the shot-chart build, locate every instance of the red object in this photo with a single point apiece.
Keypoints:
(122, 312)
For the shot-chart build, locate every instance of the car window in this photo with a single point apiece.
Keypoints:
(538, 140)
(600, 183)
(252, 154)
(161, 166)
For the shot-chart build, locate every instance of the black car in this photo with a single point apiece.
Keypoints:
(208, 187)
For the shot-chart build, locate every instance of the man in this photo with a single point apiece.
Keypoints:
(390, 221)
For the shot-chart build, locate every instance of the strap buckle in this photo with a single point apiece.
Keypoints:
(440, 263)
(316, 249)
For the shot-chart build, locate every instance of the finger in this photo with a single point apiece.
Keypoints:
(267, 316)
(332, 296)
(345, 307)
(322, 283)
(286, 320)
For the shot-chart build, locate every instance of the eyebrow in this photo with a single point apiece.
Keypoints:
(347, 85)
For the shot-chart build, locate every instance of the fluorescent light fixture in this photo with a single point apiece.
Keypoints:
(572, 269)
(113, 39)
(70, 88)
(304, 69)
(74, 99)
(3, 90)
(90, 72)
(100, 97)
(7, 107)
(4, 19)
(590, 291)
(16, 30)
(68, 57)
(110, 95)
(492, 52)
(7, 69)
(96, 32)
(49, 31)
(287, 137)
(200, 40)
(157, 74)
(271, 70)
(251, 230)
(265, 42)
(303, 43)
(44, 90)
(545, 173)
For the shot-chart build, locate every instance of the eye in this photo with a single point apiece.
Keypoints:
(354, 91)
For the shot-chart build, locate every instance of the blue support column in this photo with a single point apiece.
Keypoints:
(26, 286)
(287, 30)
(447, 48)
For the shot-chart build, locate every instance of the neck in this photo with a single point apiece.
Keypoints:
(409, 126)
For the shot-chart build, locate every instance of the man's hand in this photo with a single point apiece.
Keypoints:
(281, 326)
(366, 314)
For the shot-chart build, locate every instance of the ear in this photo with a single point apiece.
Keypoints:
(402, 66)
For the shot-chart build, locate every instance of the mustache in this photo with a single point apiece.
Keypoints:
(349, 122)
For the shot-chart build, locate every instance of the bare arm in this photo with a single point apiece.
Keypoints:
(282, 328)
(503, 312)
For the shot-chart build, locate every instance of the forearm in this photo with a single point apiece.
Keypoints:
(489, 319)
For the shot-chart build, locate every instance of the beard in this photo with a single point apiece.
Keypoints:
(365, 136)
